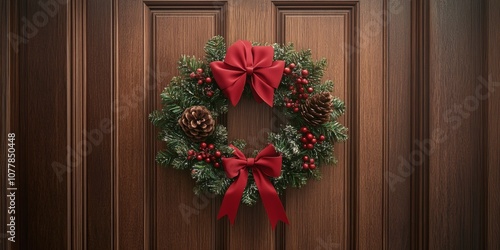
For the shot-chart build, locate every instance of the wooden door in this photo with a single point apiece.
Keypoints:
(81, 77)
(155, 207)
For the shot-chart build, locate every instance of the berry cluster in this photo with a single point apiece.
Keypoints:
(203, 80)
(308, 163)
(299, 90)
(207, 153)
(308, 139)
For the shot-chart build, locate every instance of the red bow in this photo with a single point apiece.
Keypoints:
(243, 60)
(266, 164)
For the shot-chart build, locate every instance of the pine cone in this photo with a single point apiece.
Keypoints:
(197, 122)
(317, 109)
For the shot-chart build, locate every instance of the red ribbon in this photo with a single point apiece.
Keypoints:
(243, 60)
(266, 164)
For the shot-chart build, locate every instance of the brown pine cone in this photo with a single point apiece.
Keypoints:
(317, 109)
(197, 122)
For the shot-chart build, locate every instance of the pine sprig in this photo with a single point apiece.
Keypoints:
(215, 49)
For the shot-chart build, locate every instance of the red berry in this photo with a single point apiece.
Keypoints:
(291, 87)
(305, 166)
(303, 140)
(294, 92)
(190, 157)
(200, 70)
(191, 152)
(310, 90)
(301, 90)
(301, 96)
(310, 146)
(207, 160)
(305, 96)
(305, 158)
(287, 71)
(304, 130)
(295, 110)
(199, 157)
(291, 65)
(312, 166)
(288, 105)
(210, 93)
(208, 80)
(218, 154)
(200, 82)
(322, 138)
(305, 81)
(314, 141)
(305, 72)
(192, 75)
(304, 146)
(212, 158)
(216, 164)
(299, 80)
(203, 145)
(211, 146)
(311, 160)
(310, 136)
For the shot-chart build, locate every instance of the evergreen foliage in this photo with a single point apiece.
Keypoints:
(184, 92)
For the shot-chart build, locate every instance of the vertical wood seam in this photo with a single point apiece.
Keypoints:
(114, 122)
(150, 167)
(385, 133)
(6, 110)
(420, 122)
(76, 50)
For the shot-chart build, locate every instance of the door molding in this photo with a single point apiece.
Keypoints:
(420, 122)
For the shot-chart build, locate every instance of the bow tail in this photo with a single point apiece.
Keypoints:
(270, 199)
(232, 198)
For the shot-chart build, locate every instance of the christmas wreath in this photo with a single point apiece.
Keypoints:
(286, 79)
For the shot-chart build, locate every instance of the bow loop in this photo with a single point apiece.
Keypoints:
(266, 164)
(243, 60)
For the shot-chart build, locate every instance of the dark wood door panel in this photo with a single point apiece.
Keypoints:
(332, 26)
(177, 211)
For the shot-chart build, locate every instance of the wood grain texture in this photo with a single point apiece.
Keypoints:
(420, 103)
(180, 215)
(43, 136)
(79, 141)
(10, 122)
(493, 126)
(99, 117)
(456, 167)
(332, 28)
(130, 118)
(100, 61)
(370, 149)
(397, 115)
(251, 222)
(5, 110)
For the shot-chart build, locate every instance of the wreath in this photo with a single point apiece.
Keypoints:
(278, 75)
